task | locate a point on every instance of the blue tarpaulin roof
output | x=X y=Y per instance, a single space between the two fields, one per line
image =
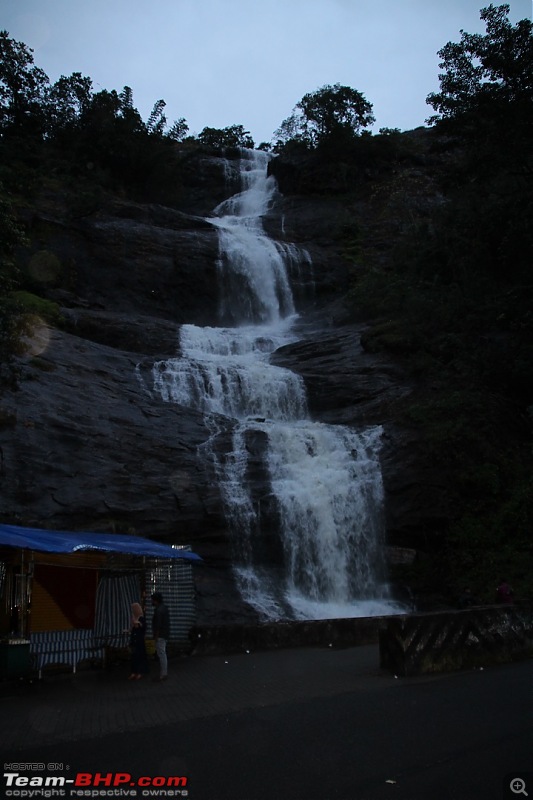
x=46 y=541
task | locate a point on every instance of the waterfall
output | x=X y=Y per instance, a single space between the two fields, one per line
x=310 y=546
x=254 y=282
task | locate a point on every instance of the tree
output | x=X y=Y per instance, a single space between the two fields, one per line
x=232 y=136
x=487 y=76
x=157 y=120
x=329 y=112
x=126 y=98
x=67 y=101
x=486 y=103
x=99 y=119
x=22 y=86
x=131 y=120
x=178 y=130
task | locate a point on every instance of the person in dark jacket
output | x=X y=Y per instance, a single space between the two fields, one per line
x=139 y=658
x=161 y=632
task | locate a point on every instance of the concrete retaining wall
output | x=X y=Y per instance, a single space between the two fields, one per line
x=439 y=642
x=410 y=644
x=308 y=633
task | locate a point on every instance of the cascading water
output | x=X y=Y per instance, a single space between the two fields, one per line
x=323 y=513
x=254 y=282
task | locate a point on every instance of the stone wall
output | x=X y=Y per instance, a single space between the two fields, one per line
x=409 y=645
x=440 y=642
x=210 y=640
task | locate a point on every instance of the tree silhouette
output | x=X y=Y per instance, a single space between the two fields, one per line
x=329 y=112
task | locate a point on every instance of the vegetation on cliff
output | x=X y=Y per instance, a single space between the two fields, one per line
x=464 y=273
x=441 y=244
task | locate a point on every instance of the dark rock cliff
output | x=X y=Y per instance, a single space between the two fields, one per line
x=84 y=442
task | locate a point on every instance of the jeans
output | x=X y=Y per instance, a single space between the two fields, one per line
x=161 y=650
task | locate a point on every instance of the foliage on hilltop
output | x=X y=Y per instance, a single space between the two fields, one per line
x=332 y=113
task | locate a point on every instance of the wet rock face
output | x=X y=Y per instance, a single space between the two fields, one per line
x=85 y=442
x=89 y=443
x=138 y=259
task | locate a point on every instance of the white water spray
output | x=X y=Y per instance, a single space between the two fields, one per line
x=316 y=551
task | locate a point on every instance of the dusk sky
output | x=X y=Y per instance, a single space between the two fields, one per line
x=248 y=62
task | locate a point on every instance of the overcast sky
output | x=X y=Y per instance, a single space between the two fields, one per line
x=248 y=62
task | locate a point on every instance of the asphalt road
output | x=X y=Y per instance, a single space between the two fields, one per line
x=289 y=725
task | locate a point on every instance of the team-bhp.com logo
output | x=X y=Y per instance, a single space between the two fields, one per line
x=94 y=784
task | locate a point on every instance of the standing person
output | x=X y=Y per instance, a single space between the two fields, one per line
x=161 y=632
x=467 y=599
x=139 y=658
x=504 y=593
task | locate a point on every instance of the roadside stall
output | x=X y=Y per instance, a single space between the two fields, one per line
x=65 y=597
